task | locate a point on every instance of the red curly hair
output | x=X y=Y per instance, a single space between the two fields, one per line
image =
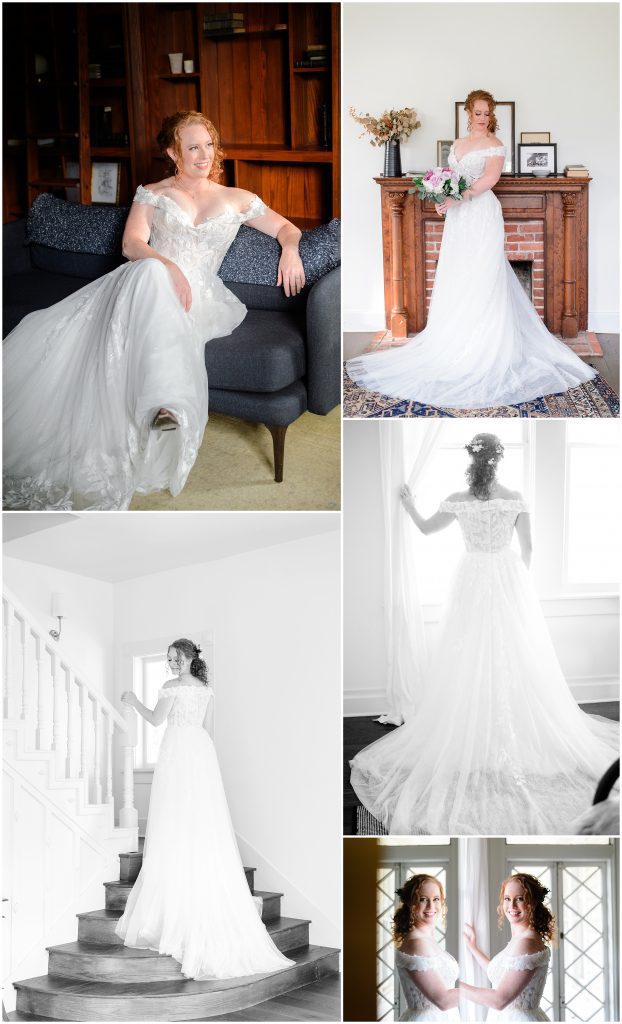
x=406 y=914
x=540 y=917
x=486 y=97
x=169 y=138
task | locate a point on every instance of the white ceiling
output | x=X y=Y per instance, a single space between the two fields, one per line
x=118 y=546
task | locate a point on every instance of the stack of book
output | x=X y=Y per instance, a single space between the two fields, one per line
x=225 y=24
x=576 y=171
x=315 y=56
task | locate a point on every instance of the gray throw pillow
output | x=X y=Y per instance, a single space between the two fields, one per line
x=254 y=257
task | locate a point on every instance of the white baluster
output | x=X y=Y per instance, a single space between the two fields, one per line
x=46 y=698
x=59 y=706
x=38 y=687
x=84 y=732
x=109 y=728
x=128 y=815
x=73 y=728
x=23 y=699
x=12 y=684
x=97 y=770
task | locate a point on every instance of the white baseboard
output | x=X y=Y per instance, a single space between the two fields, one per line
x=604 y=323
x=584 y=689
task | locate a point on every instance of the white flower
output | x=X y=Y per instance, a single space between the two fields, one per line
x=476 y=447
x=491 y=462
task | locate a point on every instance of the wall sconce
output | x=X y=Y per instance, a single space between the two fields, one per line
x=58 y=612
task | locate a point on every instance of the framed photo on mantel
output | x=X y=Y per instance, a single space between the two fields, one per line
x=504 y=112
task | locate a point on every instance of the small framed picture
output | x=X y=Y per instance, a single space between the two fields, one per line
x=105 y=180
x=442 y=151
x=531 y=137
x=539 y=159
x=504 y=112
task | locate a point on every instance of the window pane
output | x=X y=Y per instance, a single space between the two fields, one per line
x=583 y=942
x=592 y=543
x=386 y=884
x=592 y=431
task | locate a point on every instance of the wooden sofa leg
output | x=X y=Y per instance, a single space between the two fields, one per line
x=278 y=441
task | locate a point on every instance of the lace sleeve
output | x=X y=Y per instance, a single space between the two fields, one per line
x=254 y=209
x=496 y=151
x=417 y=963
x=145 y=196
x=448 y=506
x=526 y=962
x=164 y=693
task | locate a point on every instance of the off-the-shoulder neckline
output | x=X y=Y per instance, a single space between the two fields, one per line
x=481 y=150
x=208 y=220
x=520 y=956
x=185 y=686
x=421 y=956
x=478 y=503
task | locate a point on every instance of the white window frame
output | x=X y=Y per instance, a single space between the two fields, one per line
x=503 y=854
x=405 y=859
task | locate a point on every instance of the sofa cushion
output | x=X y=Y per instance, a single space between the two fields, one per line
x=261 y=296
x=87 y=265
x=254 y=257
x=25 y=293
x=265 y=353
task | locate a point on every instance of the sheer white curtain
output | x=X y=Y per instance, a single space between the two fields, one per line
x=403 y=618
x=474 y=908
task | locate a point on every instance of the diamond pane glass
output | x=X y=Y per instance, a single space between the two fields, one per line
x=583 y=928
x=544 y=874
x=386 y=884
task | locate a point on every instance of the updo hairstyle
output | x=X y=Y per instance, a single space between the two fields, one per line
x=485 y=450
x=198 y=668
x=405 y=916
x=481 y=94
x=169 y=138
x=540 y=917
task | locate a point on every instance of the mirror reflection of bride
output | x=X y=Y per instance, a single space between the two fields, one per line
x=497 y=744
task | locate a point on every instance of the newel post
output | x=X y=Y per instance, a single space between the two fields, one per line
x=128 y=815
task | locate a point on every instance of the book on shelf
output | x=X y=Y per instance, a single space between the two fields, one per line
x=576 y=171
x=221 y=16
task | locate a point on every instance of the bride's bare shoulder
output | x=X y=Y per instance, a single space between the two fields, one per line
x=505 y=492
x=495 y=142
x=159 y=187
x=458 y=496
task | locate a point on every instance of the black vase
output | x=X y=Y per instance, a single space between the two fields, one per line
x=392 y=159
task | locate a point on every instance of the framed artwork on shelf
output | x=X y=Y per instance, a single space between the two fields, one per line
x=442 y=151
x=531 y=137
x=105 y=181
x=537 y=159
x=505 y=114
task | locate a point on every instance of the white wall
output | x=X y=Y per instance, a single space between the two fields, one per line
x=558 y=62
x=275 y=616
x=88 y=629
x=584 y=628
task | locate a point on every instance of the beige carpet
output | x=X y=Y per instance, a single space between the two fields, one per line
x=234 y=469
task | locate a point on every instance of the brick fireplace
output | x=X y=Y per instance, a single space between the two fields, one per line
x=524 y=244
x=545 y=227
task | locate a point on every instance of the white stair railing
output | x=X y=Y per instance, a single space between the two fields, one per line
x=63 y=713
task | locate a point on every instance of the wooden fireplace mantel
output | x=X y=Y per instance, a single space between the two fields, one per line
x=560 y=203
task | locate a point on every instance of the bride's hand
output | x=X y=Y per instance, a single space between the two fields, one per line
x=470 y=936
x=128 y=697
x=181 y=286
x=406 y=496
x=291 y=271
x=442 y=208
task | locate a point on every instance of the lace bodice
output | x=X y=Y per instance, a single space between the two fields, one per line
x=188 y=703
x=472 y=165
x=529 y=998
x=486 y=525
x=199 y=247
x=444 y=965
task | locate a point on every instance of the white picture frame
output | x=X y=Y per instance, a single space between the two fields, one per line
x=105 y=180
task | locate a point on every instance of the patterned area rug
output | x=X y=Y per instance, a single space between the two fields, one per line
x=594 y=399
x=367 y=825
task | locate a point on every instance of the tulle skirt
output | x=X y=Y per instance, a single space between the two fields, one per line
x=84 y=379
x=191 y=899
x=433 y=1013
x=511 y=1013
x=498 y=745
x=484 y=344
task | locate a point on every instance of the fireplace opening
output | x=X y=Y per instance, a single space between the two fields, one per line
x=522 y=269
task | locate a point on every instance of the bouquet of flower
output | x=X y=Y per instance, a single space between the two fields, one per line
x=391 y=126
x=438 y=184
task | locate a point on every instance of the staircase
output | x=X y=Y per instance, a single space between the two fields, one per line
x=98 y=978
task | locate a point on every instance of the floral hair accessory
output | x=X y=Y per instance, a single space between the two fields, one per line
x=474 y=447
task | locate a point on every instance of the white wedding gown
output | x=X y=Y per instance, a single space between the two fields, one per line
x=84 y=379
x=484 y=344
x=191 y=899
x=419 y=1006
x=498 y=745
x=526 y=1006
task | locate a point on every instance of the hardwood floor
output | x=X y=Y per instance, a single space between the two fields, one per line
x=608 y=365
x=359 y=732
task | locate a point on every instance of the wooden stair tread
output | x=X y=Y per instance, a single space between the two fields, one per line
x=108 y=915
x=115 y=950
x=48 y=983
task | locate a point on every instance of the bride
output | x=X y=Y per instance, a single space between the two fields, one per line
x=191 y=899
x=427 y=973
x=105 y=393
x=518 y=973
x=484 y=344
x=498 y=745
